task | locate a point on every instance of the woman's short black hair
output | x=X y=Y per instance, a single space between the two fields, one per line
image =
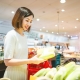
x=20 y=14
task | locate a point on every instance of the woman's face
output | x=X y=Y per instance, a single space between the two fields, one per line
x=27 y=22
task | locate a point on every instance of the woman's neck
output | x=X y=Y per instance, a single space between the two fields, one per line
x=20 y=31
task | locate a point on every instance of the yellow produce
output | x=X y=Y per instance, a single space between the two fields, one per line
x=42 y=72
x=46 y=53
x=75 y=75
x=47 y=56
x=51 y=73
x=64 y=71
x=70 y=67
x=59 y=74
x=45 y=72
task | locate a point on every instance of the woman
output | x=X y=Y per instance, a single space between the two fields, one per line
x=15 y=46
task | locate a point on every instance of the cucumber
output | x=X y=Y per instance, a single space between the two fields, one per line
x=70 y=67
x=75 y=75
x=40 y=72
x=51 y=73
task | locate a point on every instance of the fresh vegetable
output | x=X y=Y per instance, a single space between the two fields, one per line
x=51 y=73
x=42 y=72
x=59 y=74
x=70 y=67
x=46 y=71
x=75 y=75
x=46 y=53
x=64 y=71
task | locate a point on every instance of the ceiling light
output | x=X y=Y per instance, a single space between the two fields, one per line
x=40 y=29
x=77 y=19
x=52 y=32
x=57 y=33
x=75 y=27
x=62 y=1
x=38 y=19
x=62 y=10
x=62 y=21
x=43 y=27
x=63 y=27
x=12 y=12
x=56 y=25
x=68 y=35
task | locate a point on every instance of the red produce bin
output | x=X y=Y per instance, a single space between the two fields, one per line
x=33 y=68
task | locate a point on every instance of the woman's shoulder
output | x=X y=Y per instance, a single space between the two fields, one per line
x=10 y=34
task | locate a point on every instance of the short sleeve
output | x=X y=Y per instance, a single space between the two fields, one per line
x=9 y=46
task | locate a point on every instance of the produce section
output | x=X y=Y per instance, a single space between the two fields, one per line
x=69 y=71
x=60 y=71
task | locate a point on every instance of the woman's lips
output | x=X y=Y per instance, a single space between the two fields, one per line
x=26 y=27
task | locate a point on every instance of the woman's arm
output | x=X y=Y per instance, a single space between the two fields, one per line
x=17 y=62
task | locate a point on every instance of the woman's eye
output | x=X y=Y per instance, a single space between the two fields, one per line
x=27 y=21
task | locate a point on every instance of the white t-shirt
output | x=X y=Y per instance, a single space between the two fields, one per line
x=15 y=46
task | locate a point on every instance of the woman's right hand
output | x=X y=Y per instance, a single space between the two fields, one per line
x=36 y=60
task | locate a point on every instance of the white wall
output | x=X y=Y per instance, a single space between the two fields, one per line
x=52 y=37
x=75 y=43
